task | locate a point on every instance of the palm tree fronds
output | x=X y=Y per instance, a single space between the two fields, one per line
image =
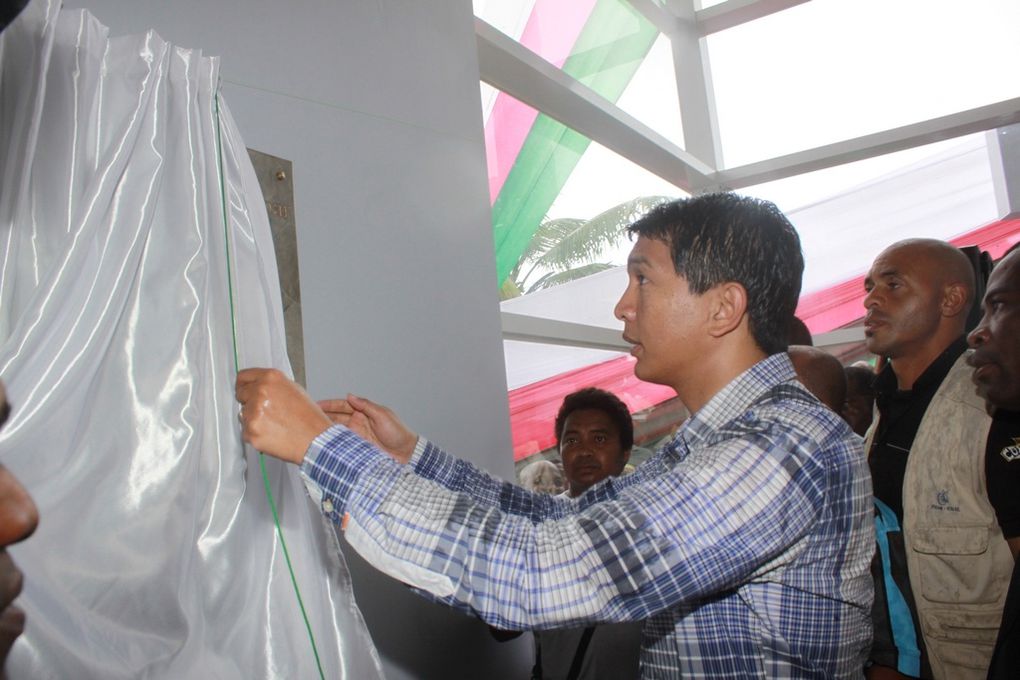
x=556 y=278
x=563 y=246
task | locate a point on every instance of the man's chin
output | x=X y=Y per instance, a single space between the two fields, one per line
x=647 y=373
x=1004 y=399
x=873 y=345
x=588 y=476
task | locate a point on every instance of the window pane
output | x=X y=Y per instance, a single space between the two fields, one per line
x=540 y=169
x=605 y=44
x=829 y=70
x=651 y=96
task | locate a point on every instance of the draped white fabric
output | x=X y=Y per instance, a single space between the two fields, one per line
x=156 y=555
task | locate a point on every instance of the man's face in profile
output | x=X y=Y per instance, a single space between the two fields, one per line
x=902 y=302
x=18 y=519
x=662 y=318
x=996 y=340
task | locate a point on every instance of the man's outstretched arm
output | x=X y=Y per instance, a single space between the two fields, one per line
x=279 y=418
x=699 y=530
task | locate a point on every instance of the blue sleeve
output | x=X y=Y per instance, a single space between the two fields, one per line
x=714 y=520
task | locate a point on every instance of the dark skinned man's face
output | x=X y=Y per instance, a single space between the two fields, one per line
x=18 y=519
x=996 y=340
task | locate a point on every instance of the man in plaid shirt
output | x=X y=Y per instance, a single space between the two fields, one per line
x=745 y=542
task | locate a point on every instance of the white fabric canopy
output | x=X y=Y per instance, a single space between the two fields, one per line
x=156 y=555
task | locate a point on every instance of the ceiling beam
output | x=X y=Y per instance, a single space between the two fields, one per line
x=840 y=336
x=930 y=131
x=524 y=328
x=735 y=12
x=678 y=22
x=515 y=70
x=553 y=332
x=1004 y=154
x=691 y=67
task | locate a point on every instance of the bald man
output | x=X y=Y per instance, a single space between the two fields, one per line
x=821 y=373
x=947 y=521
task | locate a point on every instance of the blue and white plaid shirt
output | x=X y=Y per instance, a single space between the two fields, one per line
x=745 y=542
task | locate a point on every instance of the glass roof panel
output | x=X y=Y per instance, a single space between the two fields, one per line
x=605 y=44
x=830 y=70
x=872 y=66
x=651 y=96
x=541 y=170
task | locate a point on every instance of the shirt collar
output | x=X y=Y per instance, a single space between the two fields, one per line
x=932 y=376
x=733 y=400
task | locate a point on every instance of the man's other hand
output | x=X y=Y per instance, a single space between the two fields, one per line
x=374 y=423
x=277 y=416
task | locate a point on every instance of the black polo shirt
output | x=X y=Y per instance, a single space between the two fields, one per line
x=901 y=413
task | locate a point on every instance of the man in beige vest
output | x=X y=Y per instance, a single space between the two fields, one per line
x=947 y=521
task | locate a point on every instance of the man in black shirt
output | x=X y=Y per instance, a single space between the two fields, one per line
x=927 y=457
x=996 y=360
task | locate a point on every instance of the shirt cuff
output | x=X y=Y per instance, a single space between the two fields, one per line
x=332 y=465
x=419 y=449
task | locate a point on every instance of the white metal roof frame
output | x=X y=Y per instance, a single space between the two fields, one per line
x=512 y=68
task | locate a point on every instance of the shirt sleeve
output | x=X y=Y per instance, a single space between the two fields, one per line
x=431 y=462
x=460 y=476
x=721 y=516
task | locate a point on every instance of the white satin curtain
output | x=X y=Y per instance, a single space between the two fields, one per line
x=156 y=555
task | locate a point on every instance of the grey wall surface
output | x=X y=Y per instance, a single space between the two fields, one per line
x=377 y=105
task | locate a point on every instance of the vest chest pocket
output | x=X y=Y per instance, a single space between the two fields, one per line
x=951 y=565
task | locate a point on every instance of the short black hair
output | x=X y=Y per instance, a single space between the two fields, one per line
x=724 y=237
x=598 y=400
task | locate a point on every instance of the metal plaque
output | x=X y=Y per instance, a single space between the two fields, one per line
x=277 y=185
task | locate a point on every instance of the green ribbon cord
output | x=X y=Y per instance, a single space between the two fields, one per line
x=237 y=368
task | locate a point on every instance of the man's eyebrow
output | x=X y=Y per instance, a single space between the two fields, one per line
x=636 y=259
x=870 y=278
x=575 y=430
x=1001 y=290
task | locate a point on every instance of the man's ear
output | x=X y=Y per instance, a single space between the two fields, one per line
x=955 y=299
x=728 y=308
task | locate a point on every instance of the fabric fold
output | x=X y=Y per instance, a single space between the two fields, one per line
x=124 y=184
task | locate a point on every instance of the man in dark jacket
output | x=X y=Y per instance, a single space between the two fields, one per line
x=996 y=362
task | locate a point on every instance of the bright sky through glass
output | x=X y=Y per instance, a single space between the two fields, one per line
x=813 y=74
x=820 y=72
